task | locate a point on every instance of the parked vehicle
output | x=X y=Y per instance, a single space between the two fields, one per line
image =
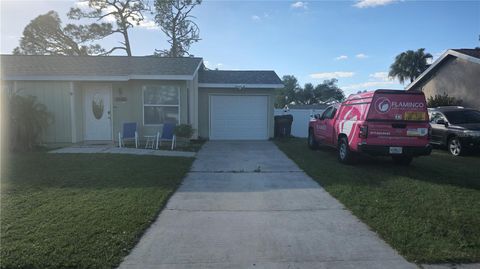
x=382 y=122
x=455 y=127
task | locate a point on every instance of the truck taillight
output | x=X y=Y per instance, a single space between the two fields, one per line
x=363 y=131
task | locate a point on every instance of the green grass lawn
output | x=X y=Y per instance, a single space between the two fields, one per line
x=80 y=211
x=428 y=211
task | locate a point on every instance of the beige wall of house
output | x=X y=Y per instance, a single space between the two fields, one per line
x=56 y=96
x=6 y=87
x=192 y=90
x=457 y=77
x=79 y=114
x=204 y=106
x=127 y=104
x=65 y=101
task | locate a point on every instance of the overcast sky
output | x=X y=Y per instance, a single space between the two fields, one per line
x=353 y=41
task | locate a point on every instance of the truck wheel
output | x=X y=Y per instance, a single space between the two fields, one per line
x=402 y=160
x=344 y=154
x=312 y=143
x=455 y=147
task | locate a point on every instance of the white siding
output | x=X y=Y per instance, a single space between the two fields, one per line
x=301 y=117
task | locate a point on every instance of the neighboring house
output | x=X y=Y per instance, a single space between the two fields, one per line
x=301 y=116
x=91 y=97
x=457 y=73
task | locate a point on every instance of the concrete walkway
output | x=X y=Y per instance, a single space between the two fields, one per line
x=116 y=150
x=246 y=205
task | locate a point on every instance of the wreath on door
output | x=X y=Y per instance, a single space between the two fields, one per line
x=97 y=106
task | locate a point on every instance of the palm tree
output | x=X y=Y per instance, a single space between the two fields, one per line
x=409 y=65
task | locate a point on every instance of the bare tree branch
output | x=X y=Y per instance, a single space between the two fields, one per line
x=124 y=12
x=175 y=21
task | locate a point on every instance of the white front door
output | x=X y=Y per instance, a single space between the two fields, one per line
x=98 y=124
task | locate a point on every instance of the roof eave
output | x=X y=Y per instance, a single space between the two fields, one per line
x=99 y=78
x=198 y=67
x=240 y=86
x=449 y=52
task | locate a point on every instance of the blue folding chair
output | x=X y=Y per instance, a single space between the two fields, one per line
x=129 y=133
x=168 y=134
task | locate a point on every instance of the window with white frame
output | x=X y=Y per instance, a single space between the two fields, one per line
x=161 y=104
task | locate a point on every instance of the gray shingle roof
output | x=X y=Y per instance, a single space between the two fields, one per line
x=470 y=52
x=96 y=66
x=238 y=77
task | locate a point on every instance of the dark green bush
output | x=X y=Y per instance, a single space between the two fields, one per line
x=443 y=100
x=27 y=120
x=184 y=131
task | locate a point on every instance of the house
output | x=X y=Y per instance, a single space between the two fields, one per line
x=91 y=97
x=457 y=73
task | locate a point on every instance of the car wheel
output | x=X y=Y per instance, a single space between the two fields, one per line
x=344 y=154
x=455 y=147
x=312 y=143
x=402 y=160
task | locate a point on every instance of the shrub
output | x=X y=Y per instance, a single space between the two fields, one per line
x=443 y=100
x=184 y=131
x=27 y=120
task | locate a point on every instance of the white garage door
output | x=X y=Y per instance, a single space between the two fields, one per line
x=238 y=117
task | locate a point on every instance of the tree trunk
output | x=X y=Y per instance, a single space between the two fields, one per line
x=127 y=43
x=174 y=49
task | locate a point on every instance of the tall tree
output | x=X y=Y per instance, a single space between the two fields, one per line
x=287 y=94
x=306 y=95
x=173 y=17
x=126 y=14
x=45 y=35
x=328 y=91
x=409 y=65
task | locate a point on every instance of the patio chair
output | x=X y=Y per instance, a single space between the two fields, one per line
x=167 y=135
x=128 y=133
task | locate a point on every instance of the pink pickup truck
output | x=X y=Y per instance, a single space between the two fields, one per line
x=382 y=122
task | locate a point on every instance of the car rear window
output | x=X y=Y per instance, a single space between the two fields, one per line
x=463 y=116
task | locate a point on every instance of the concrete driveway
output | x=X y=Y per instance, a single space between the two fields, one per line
x=246 y=205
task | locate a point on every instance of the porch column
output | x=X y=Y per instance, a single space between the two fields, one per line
x=192 y=88
x=73 y=118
